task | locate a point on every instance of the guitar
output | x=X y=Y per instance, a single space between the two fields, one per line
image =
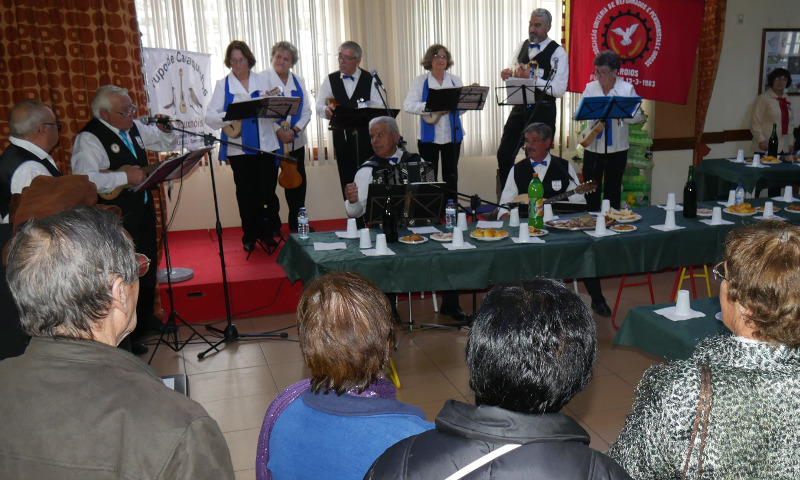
x=148 y=169
x=586 y=187
x=183 y=101
x=588 y=134
x=289 y=177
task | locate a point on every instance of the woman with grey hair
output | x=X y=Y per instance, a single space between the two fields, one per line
x=291 y=129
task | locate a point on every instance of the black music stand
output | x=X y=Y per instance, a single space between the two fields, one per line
x=172 y=169
x=376 y=202
x=355 y=119
x=455 y=99
x=607 y=108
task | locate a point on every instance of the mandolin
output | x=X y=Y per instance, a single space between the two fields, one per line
x=431 y=118
x=234 y=129
x=148 y=169
x=586 y=187
x=588 y=134
x=289 y=177
x=183 y=101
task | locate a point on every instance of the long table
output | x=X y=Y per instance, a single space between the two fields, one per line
x=715 y=177
x=653 y=333
x=565 y=254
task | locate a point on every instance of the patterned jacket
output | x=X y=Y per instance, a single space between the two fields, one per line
x=754 y=426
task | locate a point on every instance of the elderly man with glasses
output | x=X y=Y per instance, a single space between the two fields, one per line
x=34 y=134
x=112 y=149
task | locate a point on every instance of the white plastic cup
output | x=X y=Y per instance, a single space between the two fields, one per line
x=716 y=216
x=606 y=206
x=524 y=233
x=380 y=244
x=756 y=159
x=513 y=217
x=731 y=198
x=769 y=210
x=600 y=225
x=740 y=155
x=669 y=221
x=458 y=237
x=365 y=241
x=548 y=212
x=352 y=229
x=787 y=194
x=462 y=220
x=682 y=304
x=670 y=201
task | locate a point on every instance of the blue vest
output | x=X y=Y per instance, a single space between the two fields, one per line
x=428 y=132
x=295 y=118
x=249 y=136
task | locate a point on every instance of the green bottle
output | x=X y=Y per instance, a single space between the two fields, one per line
x=536 y=202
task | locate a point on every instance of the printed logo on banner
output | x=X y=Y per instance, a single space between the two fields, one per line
x=631 y=35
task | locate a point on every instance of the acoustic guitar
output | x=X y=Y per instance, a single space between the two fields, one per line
x=588 y=134
x=289 y=177
x=586 y=187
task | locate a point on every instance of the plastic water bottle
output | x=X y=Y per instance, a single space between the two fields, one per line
x=739 y=195
x=302 y=223
x=450 y=214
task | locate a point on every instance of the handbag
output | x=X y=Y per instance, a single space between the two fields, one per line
x=701 y=420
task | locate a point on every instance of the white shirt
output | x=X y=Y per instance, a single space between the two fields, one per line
x=510 y=190
x=89 y=155
x=443 y=132
x=27 y=171
x=362 y=180
x=559 y=84
x=619 y=128
x=292 y=83
x=325 y=92
x=216 y=110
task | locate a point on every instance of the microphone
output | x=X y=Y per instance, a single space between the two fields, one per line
x=377 y=78
x=152 y=120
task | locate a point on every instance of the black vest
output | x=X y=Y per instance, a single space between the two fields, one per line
x=118 y=156
x=12 y=158
x=543 y=59
x=362 y=91
x=557 y=169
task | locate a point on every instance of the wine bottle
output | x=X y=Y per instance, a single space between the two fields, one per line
x=690 y=196
x=389 y=222
x=772 y=143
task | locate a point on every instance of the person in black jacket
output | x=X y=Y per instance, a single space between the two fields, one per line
x=531 y=349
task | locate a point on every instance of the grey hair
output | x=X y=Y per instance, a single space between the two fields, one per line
x=289 y=47
x=609 y=59
x=25 y=117
x=542 y=129
x=391 y=123
x=102 y=98
x=543 y=13
x=61 y=269
x=351 y=45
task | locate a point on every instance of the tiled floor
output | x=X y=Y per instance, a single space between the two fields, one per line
x=237 y=384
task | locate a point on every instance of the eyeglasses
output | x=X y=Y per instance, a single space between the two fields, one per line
x=237 y=61
x=601 y=73
x=440 y=57
x=719 y=272
x=537 y=140
x=143 y=262
x=128 y=111
x=345 y=57
x=57 y=124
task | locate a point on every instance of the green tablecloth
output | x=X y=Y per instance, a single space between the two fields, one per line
x=565 y=254
x=717 y=176
x=653 y=333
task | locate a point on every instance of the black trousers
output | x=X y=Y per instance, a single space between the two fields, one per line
x=513 y=139
x=296 y=197
x=351 y=151
x=449 y=154
x=606 y=169
x=139 y=219
x=256 y=177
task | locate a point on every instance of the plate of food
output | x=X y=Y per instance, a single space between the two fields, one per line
x=442 y=237
x=413 y=239
x=488 y=234
x=793 y=209
x=622 y=227
x=770 y=160
x=704 y=212
x=537 y=232
x=743 y=210
x=761 y=209
x=584 y=222
x=623 y=216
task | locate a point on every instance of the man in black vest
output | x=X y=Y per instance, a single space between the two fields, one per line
x=112 y=149
x=551 y=59
x=352 y=87
x=382 y=168
x=34 y=134
x=557 y=176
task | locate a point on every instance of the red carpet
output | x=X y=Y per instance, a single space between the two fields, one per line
x=256 y=287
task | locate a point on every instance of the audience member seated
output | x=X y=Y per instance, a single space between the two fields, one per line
x=74 y=405
x=531 y=349
x=335 y=424
x=751 y=378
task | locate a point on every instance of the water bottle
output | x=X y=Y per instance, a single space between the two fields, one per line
x=450 y=214
x=739 y=195
x=302 y=223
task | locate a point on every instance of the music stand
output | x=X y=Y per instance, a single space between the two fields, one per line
x=376 y=201
x=355 y=119
x=263 y=107
x=520 y=91
x=172 y=169
x=455 y=99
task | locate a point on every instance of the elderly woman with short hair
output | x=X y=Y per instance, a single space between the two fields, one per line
x=753 y=429
x=335 y=424
x=774 y=107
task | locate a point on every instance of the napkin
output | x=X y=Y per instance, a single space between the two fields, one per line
x=466 y=246
x=726 y=204
x=607 y=233
x=345 y=235
x=760 y=165
x=373 y=252
x=678 y=208
x=773 y=217
x=664 y=228
x=669 y=312
x=707 y=221
x=320 y=246
x=733 y=160
x=783 y=199
x=487 y=224
x=422 y=230
x=530 y=240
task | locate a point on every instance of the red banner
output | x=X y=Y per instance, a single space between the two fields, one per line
x=655 y=39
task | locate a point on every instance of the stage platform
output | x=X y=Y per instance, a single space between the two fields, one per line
x=256 y=287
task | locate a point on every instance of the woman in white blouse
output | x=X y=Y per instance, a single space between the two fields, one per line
x=773 y=107
x=439 y=134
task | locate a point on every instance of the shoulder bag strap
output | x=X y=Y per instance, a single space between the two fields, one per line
x=483 y=461
x=702 y=417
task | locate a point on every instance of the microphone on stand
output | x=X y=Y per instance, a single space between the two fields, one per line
x=156 y=120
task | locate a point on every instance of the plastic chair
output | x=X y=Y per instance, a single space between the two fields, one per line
x=622 y=285
x=682 y=276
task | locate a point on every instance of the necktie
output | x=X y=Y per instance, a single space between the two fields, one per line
x=349 y=77
x=784 y=104
x=127 y=143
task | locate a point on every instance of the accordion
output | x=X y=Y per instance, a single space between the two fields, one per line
x=404 y=173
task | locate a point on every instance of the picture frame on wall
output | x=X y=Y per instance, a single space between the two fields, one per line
x=780 y=48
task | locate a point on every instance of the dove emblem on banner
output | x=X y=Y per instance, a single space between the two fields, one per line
x=626 y=34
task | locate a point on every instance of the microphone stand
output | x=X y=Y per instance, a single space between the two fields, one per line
x=230 y=333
